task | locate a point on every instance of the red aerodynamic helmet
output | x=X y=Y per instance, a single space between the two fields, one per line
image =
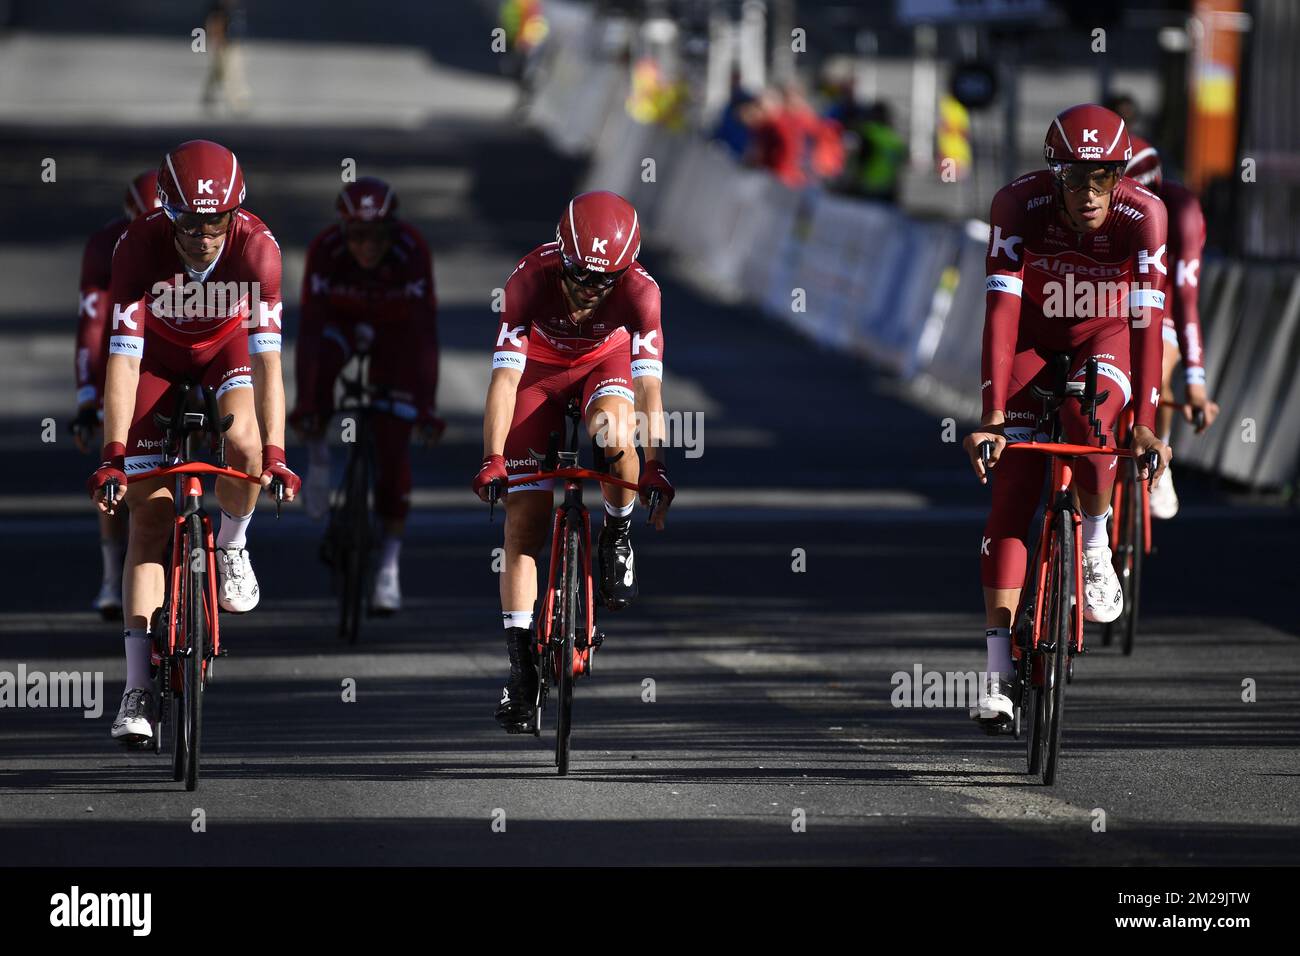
x=1087 y=134
x=142 y=194
x=1145 y=164
x=599 y=232
x=367 y=200
x=200 y=176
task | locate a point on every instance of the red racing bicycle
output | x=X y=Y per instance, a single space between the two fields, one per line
x=567 y=638
x=185 y=629
x=1047 y=627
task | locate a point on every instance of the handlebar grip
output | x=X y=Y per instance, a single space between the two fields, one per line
x=986 y=452
x=112 y=491
x=1198 y=418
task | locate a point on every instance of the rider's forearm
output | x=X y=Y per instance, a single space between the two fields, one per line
x=650 y=406
x=499 y=410
x=268 y=392
x=121 y=377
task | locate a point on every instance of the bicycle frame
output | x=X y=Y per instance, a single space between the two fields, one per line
x=572 y=507
x=188 y=496
x=1060 y=500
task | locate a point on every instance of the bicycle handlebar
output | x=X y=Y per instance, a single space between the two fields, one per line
x=112 y=488
x=1151 y=459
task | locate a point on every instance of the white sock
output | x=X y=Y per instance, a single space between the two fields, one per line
x=233 y=531
x=389 y=553
x=136 y=640
x=111 y=552
x=998 y=640
x=517 y=619
x=622 y=512
x=1094 y=531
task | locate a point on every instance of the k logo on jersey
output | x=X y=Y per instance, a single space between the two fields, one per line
x=512 y=334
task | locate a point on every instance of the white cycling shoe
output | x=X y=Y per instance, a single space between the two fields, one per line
x=316 y=491
x=386 y=598
x=237 y=590
x=134 y=721
x=1103 y=598
x=995 y=706
x=1164 y=501
x=109 y=600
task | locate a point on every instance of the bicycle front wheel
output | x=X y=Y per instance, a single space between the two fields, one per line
x=1131 y=572
x=571 y=616
x=353 y=546
x=194 y=620
x=1062 y=607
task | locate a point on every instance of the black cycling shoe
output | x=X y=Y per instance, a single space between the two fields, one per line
x=617 y=569
x=517 y=709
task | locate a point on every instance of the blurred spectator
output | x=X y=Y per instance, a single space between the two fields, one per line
x=733 y=129
x=792 y=141
x=225 y=85
x=526 y=30
x=877 y=165
x=654 y=98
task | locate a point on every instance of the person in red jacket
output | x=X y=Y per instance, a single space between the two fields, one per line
x=195 y=296
x=1081 y=228
x=1182 y=327
x=368 y=285
x=581 y=321
x=91 y=351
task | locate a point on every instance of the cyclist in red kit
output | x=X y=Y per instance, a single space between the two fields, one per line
x=368 y=284
x=580 y=320
x=195 y=296
x=91 y=352
x=1182 y=326
x=1076 y=264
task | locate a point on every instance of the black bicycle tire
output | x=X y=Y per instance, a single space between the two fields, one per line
x=571 y=608
x=1063 y=635
x=352 y=547
x=1133 y=580
x=174 y=671
x=196 y=649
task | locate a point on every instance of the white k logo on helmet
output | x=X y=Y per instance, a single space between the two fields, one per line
x=1090 y=135
x=205 y=186
x=598 y=245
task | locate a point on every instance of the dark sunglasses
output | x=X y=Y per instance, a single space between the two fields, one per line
x=590 y=279
x=1077 y=176
x=368 y=231
x=200 y=225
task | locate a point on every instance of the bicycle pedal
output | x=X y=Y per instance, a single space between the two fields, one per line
x=598 y=639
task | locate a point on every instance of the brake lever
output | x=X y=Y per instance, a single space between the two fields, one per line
x=494 y=495
x=652 y=500
x=112 y=488
x=1198 y=419
x=278 y=485
x=1152 y=461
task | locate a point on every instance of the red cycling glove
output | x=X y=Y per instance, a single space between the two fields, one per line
x=654 y=477
x=112 y=468
x=273 y=466
x=492 y=469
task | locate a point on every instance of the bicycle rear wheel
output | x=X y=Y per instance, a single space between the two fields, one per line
x=1061 y=607
x=571 y=614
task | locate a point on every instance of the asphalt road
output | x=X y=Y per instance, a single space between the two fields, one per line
x=771 y=738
